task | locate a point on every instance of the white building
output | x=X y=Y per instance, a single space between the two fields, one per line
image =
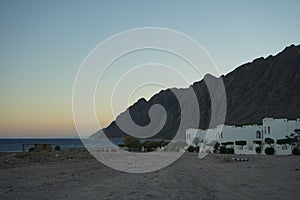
x=247 y=133
x=275 y=129
x=279 y=128
x=192 y=133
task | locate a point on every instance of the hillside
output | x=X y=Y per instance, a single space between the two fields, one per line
x=266 y=87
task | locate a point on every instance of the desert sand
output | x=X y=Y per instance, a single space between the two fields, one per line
x=77 y=175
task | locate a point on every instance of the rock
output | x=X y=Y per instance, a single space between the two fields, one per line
x=240 y=159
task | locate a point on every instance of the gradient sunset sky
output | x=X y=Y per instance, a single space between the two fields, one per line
x=43 y=44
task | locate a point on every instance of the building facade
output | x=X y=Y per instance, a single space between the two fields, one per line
x=252 y=136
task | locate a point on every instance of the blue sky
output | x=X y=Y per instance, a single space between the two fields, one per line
x=44 y=42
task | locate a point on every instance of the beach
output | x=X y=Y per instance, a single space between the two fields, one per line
x=77 y=175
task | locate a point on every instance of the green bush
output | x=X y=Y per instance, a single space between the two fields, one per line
x=296 y=151
x=31 y=149
x=229 y=151
x=216 y=147
x=258 y=149
x=257 y=142
x=290 y=140
x=281 y=141
x=241 y=143
x=269 y=140
x=23 y=155
x=57 y=148
x=132 y=143
x=150 y=145
x=162 y=143
x=269 y=150
x=227 y=143
x=120 y=145
x=222 y=149
x=191 y=149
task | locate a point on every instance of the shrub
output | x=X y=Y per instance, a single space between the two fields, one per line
x=241 y=143
x=269 y=140
x=31 y=149
x=222 y=149
x=229 y=151
x=257 y=142
x=197 y=149
x=227 y=143
x=150 y=145
x=23 y=155
x=290 y=140
x=296 y=151
x=120 y=145
x=160 y=143
x=269 y=150
x=258 y=149
x=216 y=147
x=57 y=148
x=191 y=149
x=294 y=138
x=132 y=143
x=281 y=141
x=163 y=143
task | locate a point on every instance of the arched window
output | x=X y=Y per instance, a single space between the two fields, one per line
x=258 y=134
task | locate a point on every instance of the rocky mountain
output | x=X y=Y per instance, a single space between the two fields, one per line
x=265 y=87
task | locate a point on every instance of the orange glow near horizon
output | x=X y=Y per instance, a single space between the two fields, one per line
x=36 y=121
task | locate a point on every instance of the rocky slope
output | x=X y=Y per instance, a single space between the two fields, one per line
x=266 y=87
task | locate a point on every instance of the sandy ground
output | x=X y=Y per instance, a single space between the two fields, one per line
x=77 y=175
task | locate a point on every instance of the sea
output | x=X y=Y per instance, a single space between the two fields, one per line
x=15 y=144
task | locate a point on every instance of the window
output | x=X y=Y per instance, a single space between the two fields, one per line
x=284 y=147
x=258 y=134
x=269 y=130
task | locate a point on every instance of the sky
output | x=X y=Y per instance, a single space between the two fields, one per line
x=43 y=44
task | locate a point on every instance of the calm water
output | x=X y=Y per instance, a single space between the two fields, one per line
x=15 y=145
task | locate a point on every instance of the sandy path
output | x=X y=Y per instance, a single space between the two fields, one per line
x=214 y=177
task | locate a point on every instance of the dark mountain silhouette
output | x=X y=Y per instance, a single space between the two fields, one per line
x=266 y=87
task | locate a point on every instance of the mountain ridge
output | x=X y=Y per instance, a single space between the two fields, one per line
x=265 y=87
